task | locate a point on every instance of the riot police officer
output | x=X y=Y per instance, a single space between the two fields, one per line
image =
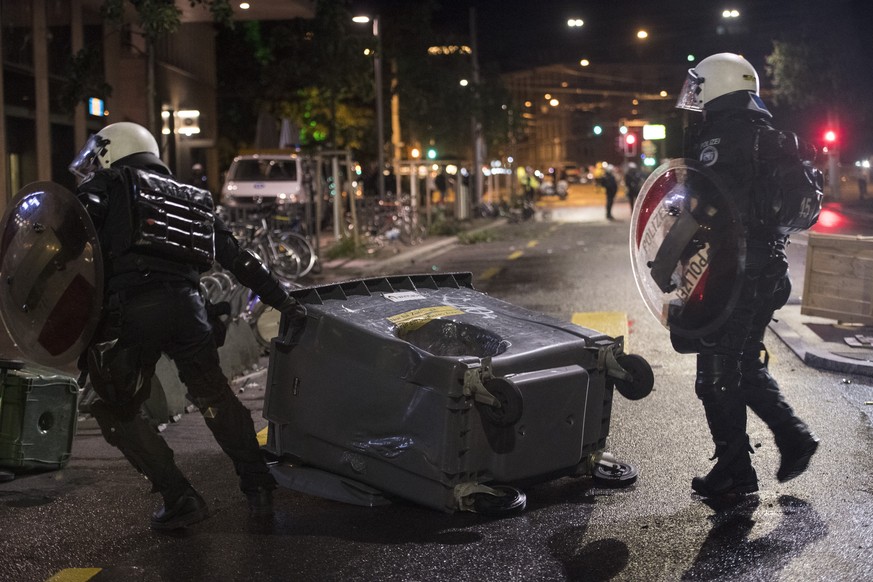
x=736 y=140
x=156 y=236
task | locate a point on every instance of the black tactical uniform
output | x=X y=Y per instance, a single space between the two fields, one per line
x=153 y=306
x=737 y=141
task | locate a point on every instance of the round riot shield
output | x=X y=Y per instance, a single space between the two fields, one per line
x=687 y=248
x=51 y=274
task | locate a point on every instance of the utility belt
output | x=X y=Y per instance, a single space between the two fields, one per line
x=130 y=293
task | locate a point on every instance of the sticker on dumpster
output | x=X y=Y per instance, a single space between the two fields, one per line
x=416 y=318
x=403 y=296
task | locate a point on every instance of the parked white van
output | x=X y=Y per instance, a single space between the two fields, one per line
x=263 y=180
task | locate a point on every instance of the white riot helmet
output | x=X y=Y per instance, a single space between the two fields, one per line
x=715 y=76
x=110 y=144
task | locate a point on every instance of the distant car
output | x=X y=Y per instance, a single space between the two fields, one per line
x=568 y=171
x=263 y=180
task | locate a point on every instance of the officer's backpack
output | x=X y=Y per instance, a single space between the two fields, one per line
x=171 y=219
x=789 y=189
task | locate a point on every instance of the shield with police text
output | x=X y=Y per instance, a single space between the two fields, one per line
x=51 y=274
x=687 y=248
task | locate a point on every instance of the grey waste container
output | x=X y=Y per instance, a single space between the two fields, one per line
x=423 y=388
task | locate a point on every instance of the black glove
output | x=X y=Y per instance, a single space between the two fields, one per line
x=292 y=309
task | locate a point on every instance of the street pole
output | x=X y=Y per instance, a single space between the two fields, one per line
x=380 y=122
x=478 y=141
x=834 y=157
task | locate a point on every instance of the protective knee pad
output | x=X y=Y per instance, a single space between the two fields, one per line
x=781 y=293
x=218 y=401
x=108 y=419
x=717 y=375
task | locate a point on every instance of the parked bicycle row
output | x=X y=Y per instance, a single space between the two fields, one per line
x=284 y=240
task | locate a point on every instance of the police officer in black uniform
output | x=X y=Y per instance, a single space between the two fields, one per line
x=736 y=140
x=157 y=235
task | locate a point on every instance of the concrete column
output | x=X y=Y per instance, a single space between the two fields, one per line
x=77 y=36
x=41 y=86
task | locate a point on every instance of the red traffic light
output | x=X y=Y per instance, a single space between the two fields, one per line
x=630 y=139
x=830 y=136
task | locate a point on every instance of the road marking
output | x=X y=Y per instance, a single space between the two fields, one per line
x=515 y=255
x=531 y=244
x=74 y=575
x=612 y=323
x=489 y=272
x=262 y=436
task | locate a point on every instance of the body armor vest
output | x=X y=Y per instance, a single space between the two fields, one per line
x=169 y=219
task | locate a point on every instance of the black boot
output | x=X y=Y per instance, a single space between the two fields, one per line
x=144 y=448
x=257 y=483
x=260 y=501
x=796 y=443
x=187 y=509
x=717 y=386
x=733 y=474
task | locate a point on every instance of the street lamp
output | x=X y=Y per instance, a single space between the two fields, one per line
x=377 y=69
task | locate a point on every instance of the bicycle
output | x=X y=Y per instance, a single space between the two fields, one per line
x=273 y=247
x=292 y=236
x=386 y=222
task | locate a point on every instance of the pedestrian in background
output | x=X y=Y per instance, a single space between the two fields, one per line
x=633 y=181
x=610 y=186
x=736 y=140
x=442 y=185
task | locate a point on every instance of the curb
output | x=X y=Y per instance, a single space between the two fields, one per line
x=817 y=358
x=412 y=253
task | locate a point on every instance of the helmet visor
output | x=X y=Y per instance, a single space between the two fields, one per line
x=87 y=161
x=689 y=97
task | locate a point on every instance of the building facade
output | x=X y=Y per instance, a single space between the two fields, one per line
x=170 y=89
x=574 y=113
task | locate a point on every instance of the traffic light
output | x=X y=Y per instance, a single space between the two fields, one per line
x=597 y=130
x=630 y=144
x=830 y=137
x=431 y=153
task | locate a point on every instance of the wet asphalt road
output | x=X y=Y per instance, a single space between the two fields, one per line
x=91 y=518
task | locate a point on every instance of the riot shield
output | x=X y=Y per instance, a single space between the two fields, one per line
x=51 y=274
x=687 y=248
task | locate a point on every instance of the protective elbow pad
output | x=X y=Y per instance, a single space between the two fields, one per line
x=252 y=273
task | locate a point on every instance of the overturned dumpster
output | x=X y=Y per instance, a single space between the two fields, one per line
x=419 y=387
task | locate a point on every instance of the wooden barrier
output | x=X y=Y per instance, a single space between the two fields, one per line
x=839 y=278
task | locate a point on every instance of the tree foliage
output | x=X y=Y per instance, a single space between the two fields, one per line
x=84 y=79
x=819 y=68
x=312 y=72
x=160 y=17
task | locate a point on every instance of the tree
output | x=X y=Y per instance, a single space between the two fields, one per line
x=312 y=72
x=819 y=69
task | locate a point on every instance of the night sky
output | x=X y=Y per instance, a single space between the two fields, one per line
x=522 y=33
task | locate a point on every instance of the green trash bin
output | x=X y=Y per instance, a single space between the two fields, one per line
x=38 y=417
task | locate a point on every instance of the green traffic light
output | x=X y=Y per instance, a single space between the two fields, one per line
x=431 y=154
x=597 y=130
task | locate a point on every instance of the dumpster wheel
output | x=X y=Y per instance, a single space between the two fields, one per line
x=642 y=378
x=614 y=475
x=510 y=399
x=504 y=501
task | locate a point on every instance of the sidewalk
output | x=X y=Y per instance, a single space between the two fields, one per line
x=393 y=256
x=822 y=343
